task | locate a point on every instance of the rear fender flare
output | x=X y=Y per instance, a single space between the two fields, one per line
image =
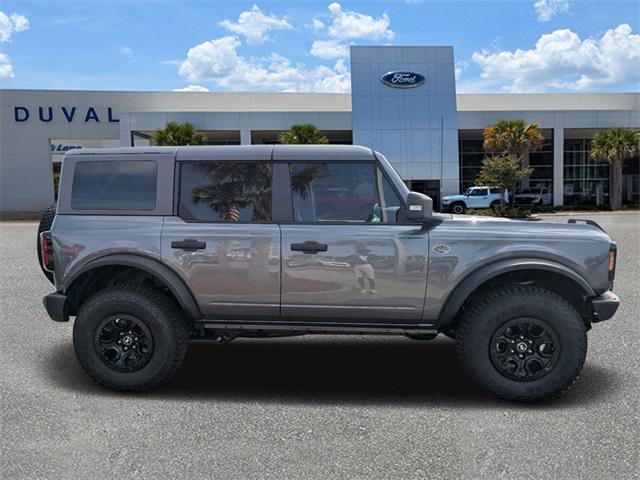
x=151 y=266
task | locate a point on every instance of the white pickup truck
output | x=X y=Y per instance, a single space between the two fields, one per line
x=473 y=197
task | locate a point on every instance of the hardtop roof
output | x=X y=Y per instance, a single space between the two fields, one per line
x=237 y=152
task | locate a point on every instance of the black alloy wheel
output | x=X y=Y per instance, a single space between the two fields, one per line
x=124 y=343
x=524 y=349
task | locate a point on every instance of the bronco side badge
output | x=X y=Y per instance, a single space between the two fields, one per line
x=441 y=248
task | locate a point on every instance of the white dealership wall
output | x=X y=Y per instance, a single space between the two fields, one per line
x=404 y=125
x=25 y=153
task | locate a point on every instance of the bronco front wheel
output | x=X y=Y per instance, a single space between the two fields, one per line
x=130 y=338
x=522 y=343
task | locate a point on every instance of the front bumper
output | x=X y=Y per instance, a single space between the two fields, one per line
x=604 y=306
x=54 y=303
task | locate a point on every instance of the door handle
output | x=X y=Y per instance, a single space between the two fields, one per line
x=309 y=247
x=189 y=244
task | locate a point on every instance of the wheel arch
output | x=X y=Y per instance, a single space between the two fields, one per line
x=148 y=267
x=546 y=273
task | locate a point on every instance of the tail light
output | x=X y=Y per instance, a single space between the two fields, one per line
x=613 y=253
x=46 y=247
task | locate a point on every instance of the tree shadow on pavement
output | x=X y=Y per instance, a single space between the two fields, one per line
x=334 y=370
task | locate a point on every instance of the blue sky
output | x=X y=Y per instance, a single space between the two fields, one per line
x=506 y=46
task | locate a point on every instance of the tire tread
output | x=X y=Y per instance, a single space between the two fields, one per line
x=473 y=314
x=167 y=308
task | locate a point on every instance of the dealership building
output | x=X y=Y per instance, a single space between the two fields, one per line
x=403 y=103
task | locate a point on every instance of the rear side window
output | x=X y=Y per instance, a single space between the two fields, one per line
x=114 y=185
x=225 y=191
x=495 y=191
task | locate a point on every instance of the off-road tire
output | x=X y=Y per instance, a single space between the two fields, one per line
x=162 y=317
x=45 y=225
x=485 y=316
x=494 y=205
x=458 y=208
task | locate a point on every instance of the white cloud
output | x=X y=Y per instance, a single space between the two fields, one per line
x=561 y=60
x=547 y=9
x=316 y=25
x=213 y=58
x=192 y=88
x=254 y=25
x=345 y=26
x=126 y=51
x=6 y=70
x=329 y=49
x=352 y=25
x=10 y=24
x=217 y=61
x=460 y=67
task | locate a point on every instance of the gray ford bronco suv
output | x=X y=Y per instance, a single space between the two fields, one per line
x=151 y=247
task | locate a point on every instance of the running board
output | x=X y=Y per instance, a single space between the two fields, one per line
x=318 y=328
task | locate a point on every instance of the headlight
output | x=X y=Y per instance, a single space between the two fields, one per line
x=445 y=200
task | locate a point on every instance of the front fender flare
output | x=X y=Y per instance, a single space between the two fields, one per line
x=471 y=282
x=151 y=266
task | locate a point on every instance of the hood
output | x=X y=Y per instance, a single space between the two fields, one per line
x=454 y=197
x=535 y=228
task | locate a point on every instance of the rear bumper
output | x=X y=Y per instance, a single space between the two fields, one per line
x=54 y=303
x=604 y=306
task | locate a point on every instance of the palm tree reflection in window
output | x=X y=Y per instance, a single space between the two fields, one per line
x=235 y=190
x=302 y=176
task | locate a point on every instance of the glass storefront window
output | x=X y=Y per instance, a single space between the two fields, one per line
x=586 y=180
x=472 y=154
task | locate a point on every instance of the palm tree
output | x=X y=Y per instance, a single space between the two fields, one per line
x=511 y=140
x=178 y=133
x=615 y=145
x=513 y=137
x=304 y=133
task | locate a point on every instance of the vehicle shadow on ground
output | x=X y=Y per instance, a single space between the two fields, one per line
x=332 y=370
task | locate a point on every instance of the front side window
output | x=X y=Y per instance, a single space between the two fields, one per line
x=342 y=192
x=114 y=185
x=225 y=191
x=393 y=208
x=477 y=192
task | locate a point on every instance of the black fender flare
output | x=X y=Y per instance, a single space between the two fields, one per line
x=151 y=266
x=471 y=282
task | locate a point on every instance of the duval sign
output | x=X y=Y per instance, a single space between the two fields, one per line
x=47 y=114
x=402 y=79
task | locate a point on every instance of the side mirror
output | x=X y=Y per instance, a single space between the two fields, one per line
x=420 y=207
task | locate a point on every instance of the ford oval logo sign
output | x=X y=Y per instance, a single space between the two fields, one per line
x=403 y=79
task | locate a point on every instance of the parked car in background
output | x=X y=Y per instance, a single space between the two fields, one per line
x=533 y=196
x=473 y=197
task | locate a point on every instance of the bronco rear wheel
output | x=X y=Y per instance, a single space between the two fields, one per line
x=522 y=343
x=130 y=338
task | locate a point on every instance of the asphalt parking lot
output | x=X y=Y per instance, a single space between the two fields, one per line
x=321 y=407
